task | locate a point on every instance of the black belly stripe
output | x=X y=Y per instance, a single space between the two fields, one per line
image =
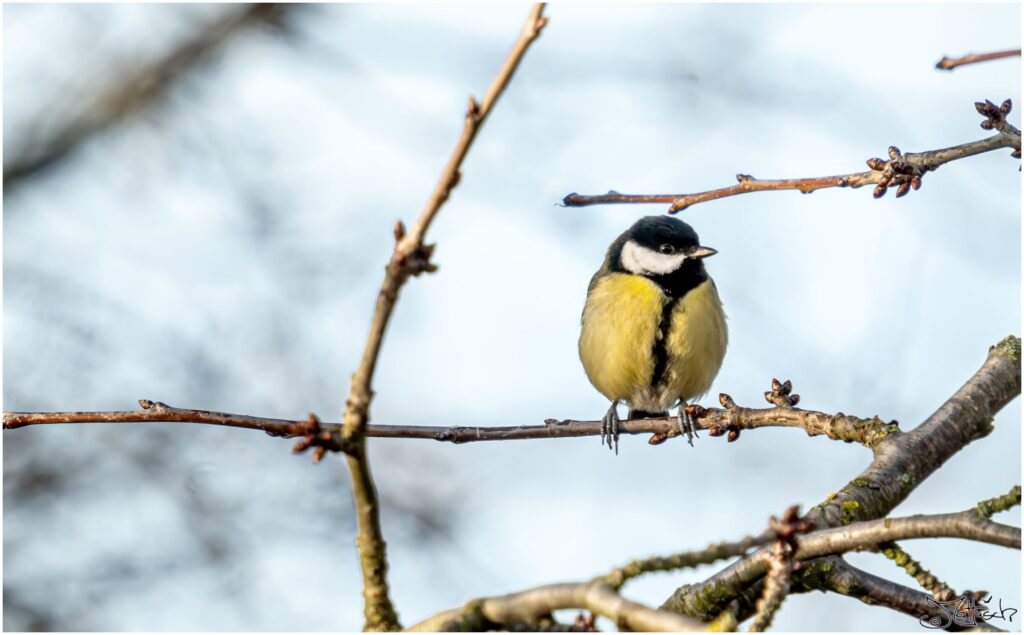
x=661 y=342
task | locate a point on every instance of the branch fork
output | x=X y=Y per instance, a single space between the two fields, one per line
x=322 y=441
x=413 y=258
x=995 y=119
x=780 y=560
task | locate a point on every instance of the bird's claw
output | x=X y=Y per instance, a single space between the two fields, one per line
x=686 y=422
x=610 y=429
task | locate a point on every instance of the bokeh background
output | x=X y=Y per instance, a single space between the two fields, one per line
x=198 y=205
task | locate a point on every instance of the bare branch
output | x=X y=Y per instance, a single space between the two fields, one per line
x=137 y=90
x=776 y=587
x=410 y=257
x=901 y=170
x=902 y=461
x=836 y=575
x=779 y=559
x=949 y=63
x=719 y=421
x=527 y=607
x=968 y=524
x=929 y=581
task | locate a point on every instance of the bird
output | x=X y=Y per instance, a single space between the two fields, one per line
x=653 y=331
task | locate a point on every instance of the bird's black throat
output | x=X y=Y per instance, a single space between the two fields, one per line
x=675 y=285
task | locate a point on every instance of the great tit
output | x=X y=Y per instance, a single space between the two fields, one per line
x=653 y=329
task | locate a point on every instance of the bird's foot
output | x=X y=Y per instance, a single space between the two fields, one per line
x=686 y=420
x=610 y=428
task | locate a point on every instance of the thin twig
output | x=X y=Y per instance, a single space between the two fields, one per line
x=949 y=63
x=901 y=170
x=411 y=257
x=928 y=580
x=686 y=559
x=779 y=559
x=776 y=587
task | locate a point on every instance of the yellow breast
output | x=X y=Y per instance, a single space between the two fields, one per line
x=621 y=324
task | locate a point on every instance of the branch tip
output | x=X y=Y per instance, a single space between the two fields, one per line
x=949 y=63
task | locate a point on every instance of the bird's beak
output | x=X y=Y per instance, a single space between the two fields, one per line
x=701 y=252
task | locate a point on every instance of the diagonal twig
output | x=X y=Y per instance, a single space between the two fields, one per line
x=903 y=171
x=411 y=257
x=928 y=580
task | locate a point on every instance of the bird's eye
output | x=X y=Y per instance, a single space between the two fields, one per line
x=667 y=249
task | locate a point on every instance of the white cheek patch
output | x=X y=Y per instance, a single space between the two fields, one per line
x=641 y=260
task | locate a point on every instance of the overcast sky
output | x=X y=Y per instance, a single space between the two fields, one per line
x=222 y=249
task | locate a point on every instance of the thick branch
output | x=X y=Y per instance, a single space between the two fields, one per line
x=949 y=63
x=903 y=171
x=136 y=90
x=836 y=575
x=411 y=257
x=902 y=460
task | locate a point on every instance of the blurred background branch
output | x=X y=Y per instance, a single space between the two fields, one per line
x=137 y=89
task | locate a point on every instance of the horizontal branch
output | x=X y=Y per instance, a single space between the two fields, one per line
x=949 y=63
x=731 y=419
x=903 y=171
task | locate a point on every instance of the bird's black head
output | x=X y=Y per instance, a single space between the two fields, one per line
x=664 y=249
